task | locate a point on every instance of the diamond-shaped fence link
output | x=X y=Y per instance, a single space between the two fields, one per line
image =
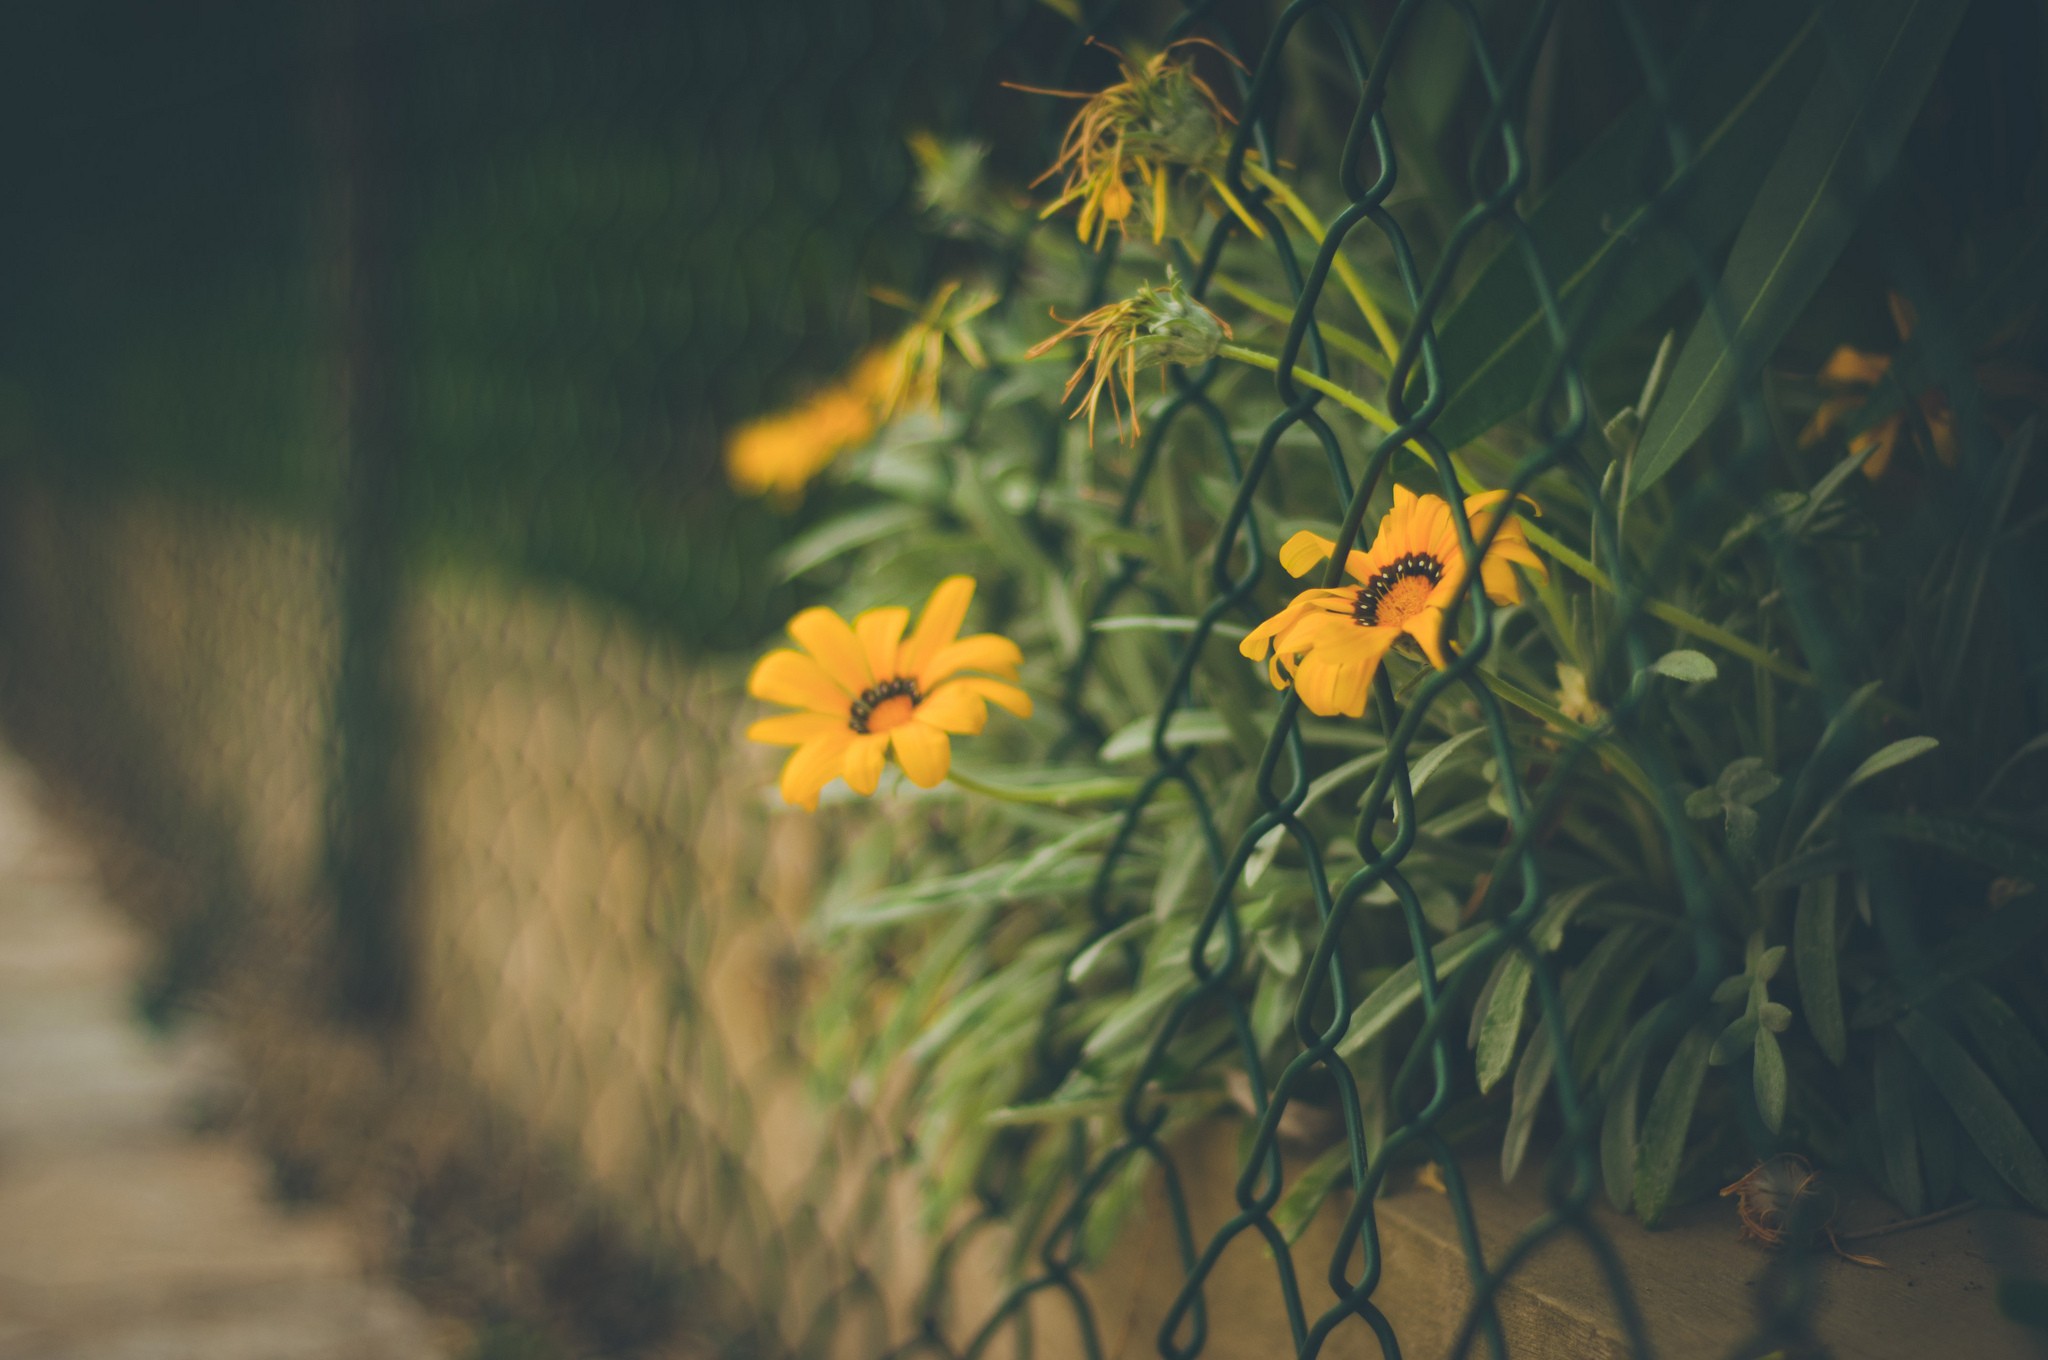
x=376 y=593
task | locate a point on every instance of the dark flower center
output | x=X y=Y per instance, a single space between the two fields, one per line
x=875 y=696
x=1391 y=581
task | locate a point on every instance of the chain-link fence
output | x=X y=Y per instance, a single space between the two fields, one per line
x=368 y=554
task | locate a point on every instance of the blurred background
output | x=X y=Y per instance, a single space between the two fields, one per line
x=369 y=570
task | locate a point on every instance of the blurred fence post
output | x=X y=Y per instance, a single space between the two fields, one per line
x=368 y=826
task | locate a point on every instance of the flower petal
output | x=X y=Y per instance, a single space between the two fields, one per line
x=1882 y=437
x=1300 y=554
x=787 y=677
x=863 y=768
x=812 y=766
x=1427 y=628
x=982 y=652
x=880 y=631
x=825 y=636
x=954 y=707
x=996 y=692
x=1852 y=367
x=938 y=625
x=923 y=751
x=794 y=729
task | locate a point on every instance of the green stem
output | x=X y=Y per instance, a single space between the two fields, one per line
x=1335 y=337
x=1346 y=275
x=1609 y=749
x=1570 y=560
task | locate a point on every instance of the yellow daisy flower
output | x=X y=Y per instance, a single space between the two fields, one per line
x=779 y=454
x=1329 y=641
x=863 y=690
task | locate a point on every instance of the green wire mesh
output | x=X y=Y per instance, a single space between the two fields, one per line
x=563 y=227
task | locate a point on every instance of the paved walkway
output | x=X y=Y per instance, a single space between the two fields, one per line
x=123 y=1236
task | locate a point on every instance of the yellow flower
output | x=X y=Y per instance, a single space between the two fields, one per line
x=863 y=690
x=1330 y=641
x=1159 y=117
x=781 y=453
x=1852 y=375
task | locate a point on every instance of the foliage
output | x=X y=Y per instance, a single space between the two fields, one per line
x=1721 y=844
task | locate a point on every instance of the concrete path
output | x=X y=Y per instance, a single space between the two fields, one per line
x=123 y=1236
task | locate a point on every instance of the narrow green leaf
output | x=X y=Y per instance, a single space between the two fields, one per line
x=1433 y=759
x=1994 y=941
x=1164 y=623
x=844 y=534
x=1594 y=979
x=1889 y=757
x=1893 y=1082
x=1501 y=1028
x=1767 y=1071
x=1618 y=1120
x=1985 y=1115
x=1978 y=844
x=1820 y=985
x=1618 y=1137
x=1403 y=988
x=2010 y=1049
x=1897 y=753
x=1664 y=1128
x=1312 y=1185
x=1187 y=727
x=1853 y=121
x=1738 y=81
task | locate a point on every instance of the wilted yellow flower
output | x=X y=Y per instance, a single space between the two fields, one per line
x=1329 y=642
x=864 y=690
x=1127 y=138
x=909 y=379
x=1155 y=326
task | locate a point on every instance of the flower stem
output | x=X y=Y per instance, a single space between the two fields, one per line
x=1609 y=749
x=1570 y=560
x=1346 y=275
x=1333 y=336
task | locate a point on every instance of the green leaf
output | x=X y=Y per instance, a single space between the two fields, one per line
x=1664 y=1128
x=1746 y=782
x=1889 y=757
x=1994 y=941
x=1985 y=1115
x=1433 y=759
x=1738 y=81
x=1820 y=985
x=1849 y=129
x=1767 y=1072
x=1689 y=666
x=1731 y=1042
x=1312 y=1185
x=1594 y=978
x=1979 y=844
x=1269 y=844
x=1501 y=1028
x=1164 y=623
x=843 y=534
x=1403 y=988
x=1618 y=1137
x=1893 y=1082
x=1187 y=727
x=2009 y=1047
